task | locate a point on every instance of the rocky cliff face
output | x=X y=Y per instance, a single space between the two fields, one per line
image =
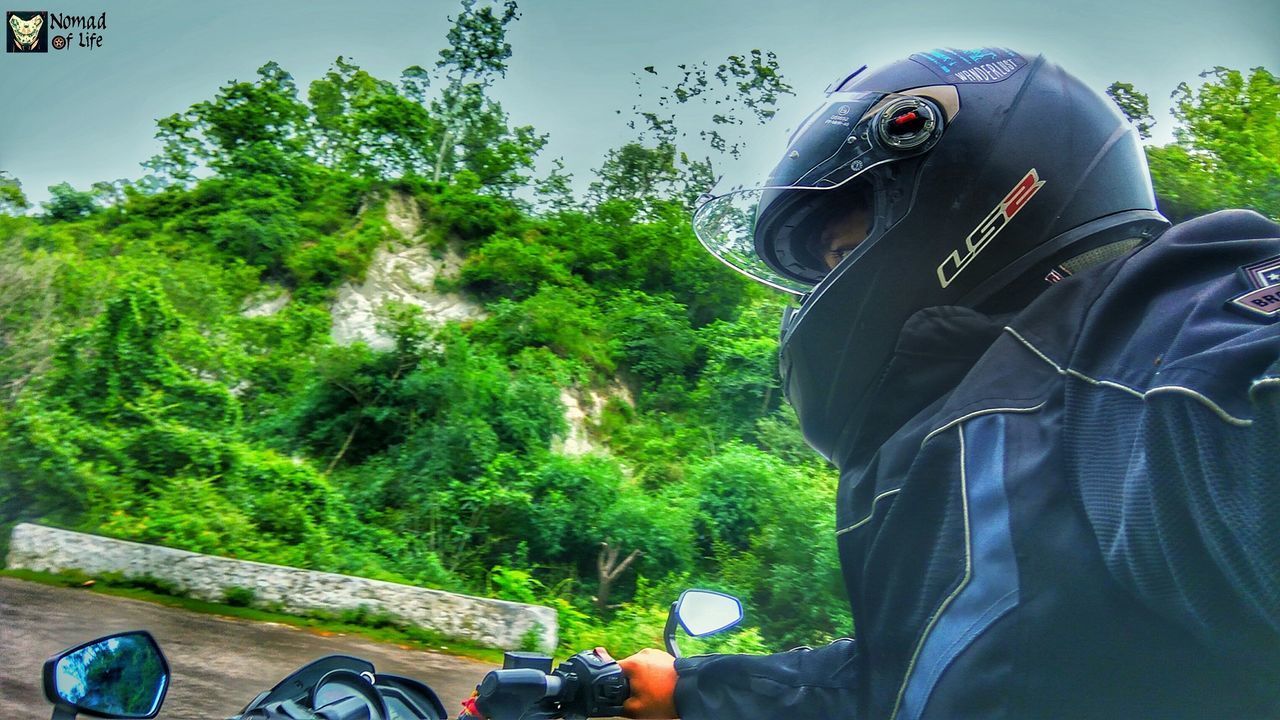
x=582 y=409
x=400 y=272
x=400 y=275
x=404 y=271
x=269 y=301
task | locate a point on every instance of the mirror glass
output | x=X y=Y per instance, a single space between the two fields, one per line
x=122 y=676
x=703 y=612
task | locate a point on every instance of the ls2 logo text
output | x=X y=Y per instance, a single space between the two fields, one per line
x=991 y=226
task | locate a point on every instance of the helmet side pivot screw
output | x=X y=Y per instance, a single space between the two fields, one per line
x=906 y=123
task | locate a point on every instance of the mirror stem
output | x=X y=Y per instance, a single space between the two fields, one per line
x=63 y=712
x=669 y=632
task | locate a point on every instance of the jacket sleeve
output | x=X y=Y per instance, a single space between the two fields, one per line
x=1195 y=528
x=802 y=684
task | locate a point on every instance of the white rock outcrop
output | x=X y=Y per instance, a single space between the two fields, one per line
x=576 y=441
x=581 y=410
x=405 y=272
x=495 y=623
x=402 y=272
x=267 y=302
x=404 y=275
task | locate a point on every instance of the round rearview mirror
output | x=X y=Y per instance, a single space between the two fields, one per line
x=703 y=612
x=120 y=676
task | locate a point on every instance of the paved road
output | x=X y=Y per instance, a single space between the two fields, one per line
x=218 y=664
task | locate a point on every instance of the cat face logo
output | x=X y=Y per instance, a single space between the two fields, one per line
x=27 y=31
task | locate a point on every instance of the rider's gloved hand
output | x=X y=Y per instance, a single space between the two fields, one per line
x=652 y=674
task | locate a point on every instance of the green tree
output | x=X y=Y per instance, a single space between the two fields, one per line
x=768 y=526
x=513 y=267
x=719 y=102
x=115 y=414
x=474 y=134
x=254 y=136
x=1226 y=151
x=564 y=320
x=499 y=157
x=28 y=306
x=121 y=368
x=248 y=128
x=67 y=203
x=555 y=191
x=367 y=127
x=1134 y=105
x=653 y=341
x=111 y=194
x=739 y=385
x=641 y=175
x=176 y=164
x=257 y=127
x=12 y=200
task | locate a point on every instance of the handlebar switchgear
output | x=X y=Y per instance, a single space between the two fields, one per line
x=588 y=684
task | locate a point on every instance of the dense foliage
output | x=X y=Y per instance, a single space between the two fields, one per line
x=1226 y=149
x=141 y=400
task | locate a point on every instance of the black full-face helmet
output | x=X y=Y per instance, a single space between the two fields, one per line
x=984 y=174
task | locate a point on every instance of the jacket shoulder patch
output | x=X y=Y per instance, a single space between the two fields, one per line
x=1262 y=302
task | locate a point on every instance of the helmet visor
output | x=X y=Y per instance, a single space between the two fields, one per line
x=725 y=226
x=850 y=133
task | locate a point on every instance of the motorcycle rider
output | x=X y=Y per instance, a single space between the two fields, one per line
x=1055 y=417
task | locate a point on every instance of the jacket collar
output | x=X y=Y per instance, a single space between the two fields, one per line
x=936 y=348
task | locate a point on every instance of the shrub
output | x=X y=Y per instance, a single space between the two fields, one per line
x=238 y=596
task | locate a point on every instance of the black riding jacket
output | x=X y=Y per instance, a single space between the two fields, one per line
x=1073 y=511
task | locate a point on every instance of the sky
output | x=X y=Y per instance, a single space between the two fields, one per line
x=83 y=114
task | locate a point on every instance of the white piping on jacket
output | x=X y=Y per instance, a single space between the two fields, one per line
x=1178 y=389
x=968 y=575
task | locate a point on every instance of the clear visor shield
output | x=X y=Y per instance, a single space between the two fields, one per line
x=847 y=135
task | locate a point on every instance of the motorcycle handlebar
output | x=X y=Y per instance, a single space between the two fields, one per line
x=586 y=685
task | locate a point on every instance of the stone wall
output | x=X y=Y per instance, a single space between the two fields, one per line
x=494 y=623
